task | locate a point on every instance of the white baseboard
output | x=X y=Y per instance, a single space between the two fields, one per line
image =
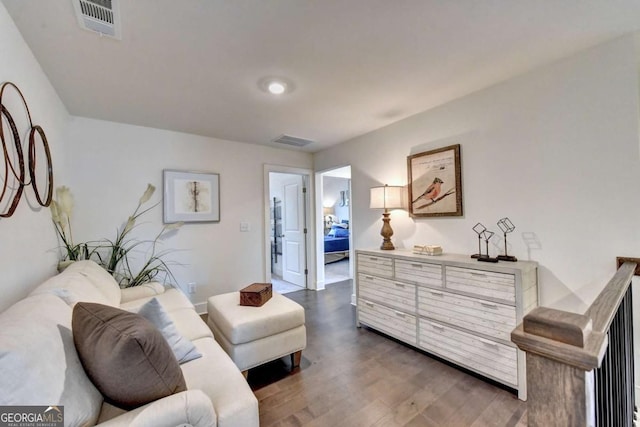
x=201 y=307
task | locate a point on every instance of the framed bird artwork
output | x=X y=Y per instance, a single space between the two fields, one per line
x=435 y=182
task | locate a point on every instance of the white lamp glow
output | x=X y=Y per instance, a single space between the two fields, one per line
x=386 y=197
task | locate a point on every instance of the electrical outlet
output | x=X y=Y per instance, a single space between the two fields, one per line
x=192 y=287
x=245 y=226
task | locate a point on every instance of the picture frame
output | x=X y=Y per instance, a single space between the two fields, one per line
x=191 y=196
x=435 y=182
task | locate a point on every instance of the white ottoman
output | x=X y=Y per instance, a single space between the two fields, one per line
x=252 y=336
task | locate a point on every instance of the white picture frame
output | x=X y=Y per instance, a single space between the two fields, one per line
x=191 y=196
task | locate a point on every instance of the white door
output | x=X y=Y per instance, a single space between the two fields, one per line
x=294 y=232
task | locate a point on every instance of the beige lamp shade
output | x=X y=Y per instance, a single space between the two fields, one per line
x=327 y=211
x=386 y=197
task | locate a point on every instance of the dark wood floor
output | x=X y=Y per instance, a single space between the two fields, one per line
x=357 y=377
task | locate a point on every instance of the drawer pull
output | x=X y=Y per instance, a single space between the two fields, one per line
x=372 y=258
x=487 y=305
x=368 y=277
x=369 y=304
x=399 y=314
x=489 y=343
x=437 y=294
x=416 y=265
x=436 y=326
x=479 y=274
x=400 y=285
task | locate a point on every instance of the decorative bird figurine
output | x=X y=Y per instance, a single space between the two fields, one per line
x=432 y=191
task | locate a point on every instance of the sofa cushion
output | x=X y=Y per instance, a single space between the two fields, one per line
x=219 y=378
x=182 y=348
x=190 y=324
x=172 y=299
x=71 y=287
x=38 y=360
x=191 y=408
x=149 y=289
x=99 y=278
x=124 y=355
x=82 y=281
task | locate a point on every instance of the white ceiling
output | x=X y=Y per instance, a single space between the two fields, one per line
x=357 y=65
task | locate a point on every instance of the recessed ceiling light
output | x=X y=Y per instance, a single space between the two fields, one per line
x=275 y=85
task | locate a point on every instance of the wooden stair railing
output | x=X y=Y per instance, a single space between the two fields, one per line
x=567 y=382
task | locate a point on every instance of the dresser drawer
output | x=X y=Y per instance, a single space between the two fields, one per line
x=395 y=294
x=484 y=356
x=419 y=272
x=482 y=283
x=486 y=317
x=377 y=265
x=395 y=323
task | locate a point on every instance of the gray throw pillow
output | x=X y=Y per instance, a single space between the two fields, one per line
x=182 y=348
x=124 y=355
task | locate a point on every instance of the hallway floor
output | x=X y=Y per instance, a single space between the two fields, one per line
x=333 y=273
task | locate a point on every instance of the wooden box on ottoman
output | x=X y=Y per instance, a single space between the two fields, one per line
x=256 y=294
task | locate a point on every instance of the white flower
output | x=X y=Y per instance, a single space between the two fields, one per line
x=174 y=226
x=65 y=201
x=131 y=222
x=55 y=214
x=147 y=194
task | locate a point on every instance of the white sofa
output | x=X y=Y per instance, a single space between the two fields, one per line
x=39 y=364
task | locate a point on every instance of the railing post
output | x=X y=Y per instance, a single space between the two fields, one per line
x=558 y=394
x=563 y=349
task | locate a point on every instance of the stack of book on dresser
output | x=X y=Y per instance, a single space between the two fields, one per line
x=427 y=250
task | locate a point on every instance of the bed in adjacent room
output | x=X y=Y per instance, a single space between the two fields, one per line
x=336 y=242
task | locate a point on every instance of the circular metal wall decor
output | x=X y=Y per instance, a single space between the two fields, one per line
x=8 y=164
x=17 y=175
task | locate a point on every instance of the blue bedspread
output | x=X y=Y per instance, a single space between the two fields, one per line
x=336 y=244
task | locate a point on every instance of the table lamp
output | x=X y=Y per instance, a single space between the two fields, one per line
x=328 y=216
x=386 y=197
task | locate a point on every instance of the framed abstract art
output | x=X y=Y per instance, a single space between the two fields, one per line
x=191 y=196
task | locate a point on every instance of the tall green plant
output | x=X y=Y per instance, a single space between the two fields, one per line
x=116 y=255
x=153 y=266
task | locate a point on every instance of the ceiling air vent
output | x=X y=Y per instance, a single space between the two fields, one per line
x=100 y=16
x=292 y=140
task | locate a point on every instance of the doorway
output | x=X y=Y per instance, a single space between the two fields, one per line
x=288 y=238
x=337 y=247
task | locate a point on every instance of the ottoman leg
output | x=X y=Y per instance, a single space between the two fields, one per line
x=245 y=374
x=295 y=359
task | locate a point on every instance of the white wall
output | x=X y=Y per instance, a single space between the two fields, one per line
x=107 y=165
x=555 y=150
x=331 y=188
x=112 y=164
x=28 y=253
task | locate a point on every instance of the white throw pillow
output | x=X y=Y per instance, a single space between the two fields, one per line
x=183 y=349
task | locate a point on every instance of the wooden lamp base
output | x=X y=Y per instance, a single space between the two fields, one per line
x=386 y=233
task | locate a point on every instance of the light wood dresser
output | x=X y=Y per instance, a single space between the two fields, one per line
x=451 y=306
